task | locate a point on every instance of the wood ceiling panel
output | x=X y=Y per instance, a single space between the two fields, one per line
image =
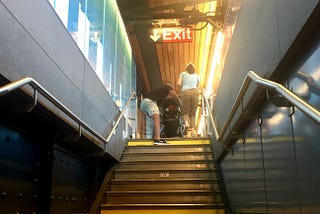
x=181 y=63
x=176 y=63
x=171 y=63
x=161 y=60
x=186 y=53
x=165 y=53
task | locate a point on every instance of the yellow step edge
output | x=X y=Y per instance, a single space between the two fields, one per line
x=170 y=142
x=165 y=211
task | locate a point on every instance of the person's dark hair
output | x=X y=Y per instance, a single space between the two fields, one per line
x=190 y=68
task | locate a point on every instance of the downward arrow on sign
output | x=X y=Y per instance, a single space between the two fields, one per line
x=155 y=36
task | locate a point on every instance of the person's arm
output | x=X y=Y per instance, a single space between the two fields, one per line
x=173 y=94
x=179 y=83
x=198 y=84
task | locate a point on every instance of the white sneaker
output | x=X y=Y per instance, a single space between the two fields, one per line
x=159 y=142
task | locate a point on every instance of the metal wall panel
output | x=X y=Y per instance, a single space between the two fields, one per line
x=274 y=168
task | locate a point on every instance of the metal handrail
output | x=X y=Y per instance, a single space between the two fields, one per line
x=305 y=107
x=212 y=118
x=37 y=87
x=133 y=95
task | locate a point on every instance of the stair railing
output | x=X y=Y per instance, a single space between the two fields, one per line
x=38 y=88
x=295 y=100
x=132 y=96
x=211 y=116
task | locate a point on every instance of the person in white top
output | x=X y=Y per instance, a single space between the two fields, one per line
x=189 y=82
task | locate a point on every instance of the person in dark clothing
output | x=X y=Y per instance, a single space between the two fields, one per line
x=150 y=106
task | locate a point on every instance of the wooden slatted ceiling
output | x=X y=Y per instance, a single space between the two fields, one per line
x=173 y=57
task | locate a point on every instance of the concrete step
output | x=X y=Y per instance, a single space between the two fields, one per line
x=176 y=208
x=171 y=141
x=167 y=148
x=181 y=156
x=164 y=197
x=167 y=165
x=162 y=209
x=176 y=176
x=165 y=173
x=164 y=184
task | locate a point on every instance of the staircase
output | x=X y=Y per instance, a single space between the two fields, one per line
x=178 y=178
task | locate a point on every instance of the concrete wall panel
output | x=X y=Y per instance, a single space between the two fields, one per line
x=40 y=21
x=291 y=16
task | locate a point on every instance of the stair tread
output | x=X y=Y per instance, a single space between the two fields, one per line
x=166 y=170
x=181 y=175
x=164 y=205
x=161 y=191
x=166 y=162
x=166 y=153
x=170 y=146
x=167 y=180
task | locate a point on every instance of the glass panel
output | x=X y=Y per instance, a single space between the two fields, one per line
x=97 y=28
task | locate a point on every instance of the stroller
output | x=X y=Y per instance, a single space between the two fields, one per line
x=172 y=124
